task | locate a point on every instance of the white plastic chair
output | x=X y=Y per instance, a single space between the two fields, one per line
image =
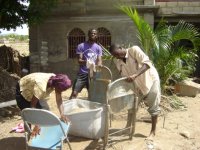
x=53 y=131
x=99 y=83
x=121 y=96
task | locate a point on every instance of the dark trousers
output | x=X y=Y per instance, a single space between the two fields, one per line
x=22 y=102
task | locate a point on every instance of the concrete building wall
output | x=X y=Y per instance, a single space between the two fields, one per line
x=84 y=14
x=178 y=7
x=55 y=34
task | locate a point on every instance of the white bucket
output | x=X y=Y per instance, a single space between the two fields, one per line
x=89 y=122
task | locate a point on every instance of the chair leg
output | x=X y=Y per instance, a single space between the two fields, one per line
x=26 y=140
x=106 y=132
x=133 y=119
x=111 y=118
x=69 y=144
x=61 y=144
x=105 y=142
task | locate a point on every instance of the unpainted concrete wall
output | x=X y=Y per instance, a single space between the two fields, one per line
x=171 y=7
x=84 y=14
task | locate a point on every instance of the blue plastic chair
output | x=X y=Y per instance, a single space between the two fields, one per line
x=53 y=130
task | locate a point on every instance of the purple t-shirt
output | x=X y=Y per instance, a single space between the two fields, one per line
x=89 y=51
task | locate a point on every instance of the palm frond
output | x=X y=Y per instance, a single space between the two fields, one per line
x=184 y=30
x=147 y=39
x=162 y=32
x=106 y=54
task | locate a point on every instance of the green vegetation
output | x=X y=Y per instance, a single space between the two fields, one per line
x=14 y=13
x=165 y=46
x=106 y=54
x=15 y=37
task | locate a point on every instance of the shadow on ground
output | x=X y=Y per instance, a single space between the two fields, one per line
x=13 y=143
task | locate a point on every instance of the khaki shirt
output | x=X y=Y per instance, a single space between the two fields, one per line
x=135 y=58
x=35 y=84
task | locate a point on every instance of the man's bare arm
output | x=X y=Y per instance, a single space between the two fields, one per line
x=34 y=101
x=140 y=71
x=80 y=59
x=60 y=106
x=99 y=60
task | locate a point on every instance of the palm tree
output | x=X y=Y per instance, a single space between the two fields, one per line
x=163 y=45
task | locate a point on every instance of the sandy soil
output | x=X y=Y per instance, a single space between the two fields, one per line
x=178 y=131
x=21 y=47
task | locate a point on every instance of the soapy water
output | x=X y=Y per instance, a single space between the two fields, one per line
x=78 y=110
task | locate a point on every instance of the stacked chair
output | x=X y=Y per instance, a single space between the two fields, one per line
x=117 y=96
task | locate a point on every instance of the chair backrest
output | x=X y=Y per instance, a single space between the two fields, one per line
x=120 y=95
x=103 y=72
x=99 y=83
x=40 y=117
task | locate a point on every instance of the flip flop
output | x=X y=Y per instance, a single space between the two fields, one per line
x=19 y=128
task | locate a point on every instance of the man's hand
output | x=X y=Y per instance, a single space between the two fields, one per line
x=64 y=118
x=131 y=78
x=100 y=65
x=35 y=131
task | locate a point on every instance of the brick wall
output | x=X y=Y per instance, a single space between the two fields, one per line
x=170 y=7
x=84 y=14
x=177 y=0
x=87 y=7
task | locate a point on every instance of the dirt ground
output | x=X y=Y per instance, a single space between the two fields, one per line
x=178 y=130
x=21 y=47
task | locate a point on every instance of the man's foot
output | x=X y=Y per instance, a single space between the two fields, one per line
x=151 y=135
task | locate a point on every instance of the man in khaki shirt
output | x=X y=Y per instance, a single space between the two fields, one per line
x=134 y=64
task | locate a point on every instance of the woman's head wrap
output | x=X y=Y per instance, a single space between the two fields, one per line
x=60 y=81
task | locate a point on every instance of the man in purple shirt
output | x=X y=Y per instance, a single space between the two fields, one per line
x=87 y=51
